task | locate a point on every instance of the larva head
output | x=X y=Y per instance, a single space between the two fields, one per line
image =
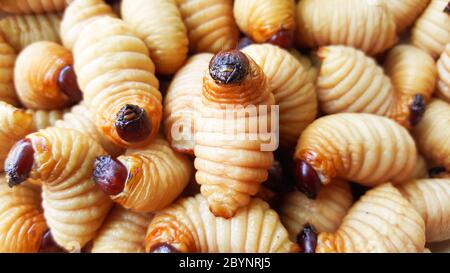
x=417 y=109
x=307 y=179
x=307 y=239
x=19 y=163
x=67 y=84
x=132 y=123
x=283 y=38
x=110 y=175
x=163 y=248
x=229 y=67
x=244 y=42
x=447 y=8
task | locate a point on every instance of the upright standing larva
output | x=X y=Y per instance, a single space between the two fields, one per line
x=122 y=232
x=433 y=134
x=267 y=21
x=44 y=77
x=362 y=148
x=22 y=222
x=33 y=6
x=77 y=15
x=189 y=226
x=405 y=12
x=443 y=67
x=181 y=102
x=43 y=119
x=350 y=81
x=210 y=24
x=381 y=221
x=432 y=30
x=22 y=30
x=7 y=62
x=230 y=160
x=431 y=198
x=363 y=24
x=325 y=213
x=14 y=125
x=63 y=160
x=147 y=179
x=159 y=24
x=292 y=83
x=118 y=82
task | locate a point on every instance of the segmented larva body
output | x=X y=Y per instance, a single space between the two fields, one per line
x=230 y=160
x=350 y=81
x=432 y=30
x=189 y=226
x=433 y=133
x=22 y=222
x=382 y=221
x=22 y=30
x=431 y=198
x=80 y=118
x=266 y=21
x=363 y=24
x=36 y=76
x=159 y=24
x=405 y=12
x=292 y=83
x=182 y=99
x=74 y=207
x=33 y=6
x=363 y=148
x=122 y=232
x=14 y=125
x=7 y=62
x=43 y=119
x=443 y=67
x=78 y=15
x=210 y=24
x=325 y=213
x=114 y=72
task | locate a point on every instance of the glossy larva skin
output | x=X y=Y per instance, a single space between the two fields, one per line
x=156 y=176
x=7 y=62
x=431 y=31
x=33 y=6
x=182 y=100
x=405 y=12
x=189 y=226
x=122 y=232
x=22 y=30
x=362 y=148
x=22 y=224
x=363 y=24
x=160 y=25
x=77 y=15
x=443 y=67
x=382 y=221
x=261 y=19
x=433 y=134
x=114 y=69
x=210 y=24
x=292 y=82
x=325 y=212
x=44 y=119
x=74 y=207
x=431 y=198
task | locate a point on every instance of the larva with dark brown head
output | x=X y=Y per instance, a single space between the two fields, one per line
x=443 y=67
x=33 y=6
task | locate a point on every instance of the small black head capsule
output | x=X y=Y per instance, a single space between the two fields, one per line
x=132 y=123
x=228 y=67
x=417 y=110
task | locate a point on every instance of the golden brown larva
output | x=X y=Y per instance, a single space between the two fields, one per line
x=405 y=12
x=443 y=67
x=350 y=81
x=122 y=232
x=210 y=24
x=189 y=226
x=78 y=15
x=63 y=160
x=22 y=222
x=145 y=179
x=118 y=82
x=325 y=213
x=381 y=221
x=432 y=30
x=43 y=119
x=33 y=6
x=22 y=30
x=292 y=82
x=230 y=160
x=182 y=99
x=159 y=24
x=7 y=61
x=267 y=21
x=363 y=24
x=44 y=77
